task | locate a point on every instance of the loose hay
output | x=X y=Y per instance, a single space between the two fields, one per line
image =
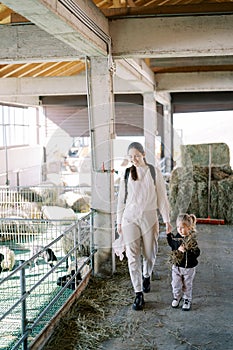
x=90 y=320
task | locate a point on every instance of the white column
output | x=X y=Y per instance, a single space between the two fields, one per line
x=168 y=137
x=150 y=125
x=101 y=114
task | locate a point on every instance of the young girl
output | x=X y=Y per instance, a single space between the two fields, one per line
x=185 y=252
x=138 y=201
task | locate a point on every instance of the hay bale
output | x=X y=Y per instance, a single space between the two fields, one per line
x=195 y=177
x=225 y=199
x=220 y=173
x=194 y=205
x=199 y=154
x=200 y=174
x=180 y=190
x=214 y=193
x=202 y=194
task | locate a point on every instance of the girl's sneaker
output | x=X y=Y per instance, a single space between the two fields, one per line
x=186 y=305
x=176 y=302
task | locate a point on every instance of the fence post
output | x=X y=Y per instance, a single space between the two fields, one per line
x=75 y=252
x=23 y=312
x=92 y=248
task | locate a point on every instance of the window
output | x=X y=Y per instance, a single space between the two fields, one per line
x=14 y=126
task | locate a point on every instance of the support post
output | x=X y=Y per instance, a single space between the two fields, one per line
x=101 y=123
x=168 y=137
x=150 y=125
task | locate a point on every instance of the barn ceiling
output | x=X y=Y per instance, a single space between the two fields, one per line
x=115 y=9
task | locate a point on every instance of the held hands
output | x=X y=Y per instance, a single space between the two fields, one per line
x=119 y=229
x=181 y=248
x=168 y=227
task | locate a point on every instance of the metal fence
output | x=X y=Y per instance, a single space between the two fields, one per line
x=43 y=262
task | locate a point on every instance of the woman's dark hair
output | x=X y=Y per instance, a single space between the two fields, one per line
x=138 y=146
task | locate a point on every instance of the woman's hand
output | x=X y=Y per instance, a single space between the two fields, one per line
x=181 y=248
x=119 y=229
x=168 y=227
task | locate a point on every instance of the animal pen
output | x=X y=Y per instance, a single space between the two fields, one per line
x=44 y=262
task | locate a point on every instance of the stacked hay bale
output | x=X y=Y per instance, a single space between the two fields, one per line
x=189 y=184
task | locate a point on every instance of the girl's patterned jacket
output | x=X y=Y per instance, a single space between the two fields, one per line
x=187 y=259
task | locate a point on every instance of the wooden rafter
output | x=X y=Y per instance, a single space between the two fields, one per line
x=8 y=16
x=169 y=10
x=48 y=69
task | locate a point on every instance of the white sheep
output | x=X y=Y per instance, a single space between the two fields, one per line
x=9 y=258
x=67 y=243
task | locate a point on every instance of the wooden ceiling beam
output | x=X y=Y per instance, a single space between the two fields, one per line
x=46 y=67
x=76 y=70
x=8 y=16
x=169 y=10
x=29 y=71
x=41 y=69
x=219 y=68
x=16 y=18
x=10 y=70
x=4 y=12
x=68 y=69
x=56 y=68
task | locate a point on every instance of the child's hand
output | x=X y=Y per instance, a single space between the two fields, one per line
x=181 y=248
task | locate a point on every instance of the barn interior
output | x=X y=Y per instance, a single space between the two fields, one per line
x=78 y=81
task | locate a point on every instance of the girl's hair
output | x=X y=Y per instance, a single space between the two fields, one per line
x=194 y=221
x=187 y=219
x=138 y=146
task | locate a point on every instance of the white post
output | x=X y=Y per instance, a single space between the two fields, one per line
x=150 y=125
x=168 y=137
x=101 y=117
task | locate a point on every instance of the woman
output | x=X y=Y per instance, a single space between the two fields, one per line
x=139 y=198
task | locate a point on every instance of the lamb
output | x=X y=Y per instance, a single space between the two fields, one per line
x=48 y=255
x=1 y=259
x=67 y=243
x=7 y=258
x=61 y=281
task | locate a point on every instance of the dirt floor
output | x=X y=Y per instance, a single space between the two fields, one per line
x=111 y=324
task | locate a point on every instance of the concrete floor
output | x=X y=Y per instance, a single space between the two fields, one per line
x=208 y=325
